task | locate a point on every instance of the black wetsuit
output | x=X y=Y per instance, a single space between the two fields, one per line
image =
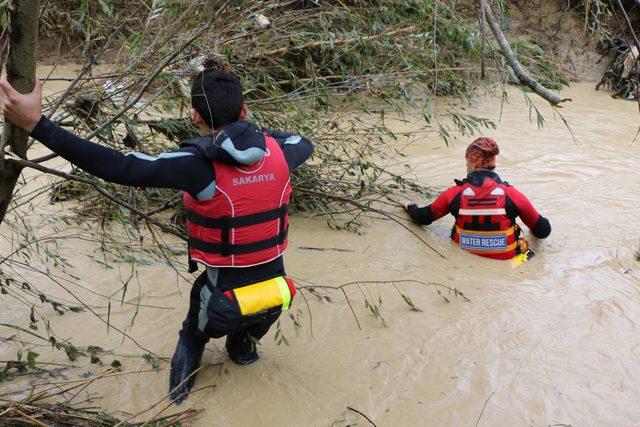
x=184 y=169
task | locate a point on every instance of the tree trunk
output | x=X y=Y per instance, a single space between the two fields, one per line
x=21 y=73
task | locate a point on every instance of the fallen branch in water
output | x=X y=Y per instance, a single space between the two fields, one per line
x=456 y=291
x=92 y=311
x=46 y=414
x=373 y=308
x=37 y=408
x=361 y=414
x=518 y=69
x=95 y=184
x=484 y=407
x=365 y=208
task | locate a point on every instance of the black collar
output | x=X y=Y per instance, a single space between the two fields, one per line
x=476 y=178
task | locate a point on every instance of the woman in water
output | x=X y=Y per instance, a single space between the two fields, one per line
x=485 y=208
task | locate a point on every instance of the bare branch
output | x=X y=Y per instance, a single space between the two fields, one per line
x=95 y=184
x=522 y=74
x=483 y=31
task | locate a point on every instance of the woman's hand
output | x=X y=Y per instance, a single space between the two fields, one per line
x=23 y=110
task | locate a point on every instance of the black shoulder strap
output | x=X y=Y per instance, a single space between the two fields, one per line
x=461 y=181
x=201 y=144
x=226 y=224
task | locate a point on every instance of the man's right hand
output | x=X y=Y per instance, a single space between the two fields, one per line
x=23 y=110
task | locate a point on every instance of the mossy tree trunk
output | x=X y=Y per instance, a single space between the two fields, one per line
x=21 y=73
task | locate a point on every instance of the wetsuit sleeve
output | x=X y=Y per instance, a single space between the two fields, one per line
x=297 y=149
x=539 y=225
x=436 y=210
x=181 y=170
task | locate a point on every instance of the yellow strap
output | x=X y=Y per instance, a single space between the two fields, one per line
x=285 y=293
x=507 y=232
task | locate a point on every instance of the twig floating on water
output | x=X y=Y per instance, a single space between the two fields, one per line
x=362 y=414
x=311 y=248
x=484 y=407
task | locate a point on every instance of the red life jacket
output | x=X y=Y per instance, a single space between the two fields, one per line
x=246 y=221
x=482 y=225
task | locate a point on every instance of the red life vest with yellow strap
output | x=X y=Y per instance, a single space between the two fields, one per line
x=482 y=225
x=246 y=221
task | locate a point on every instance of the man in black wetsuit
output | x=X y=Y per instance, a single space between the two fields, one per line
x=220 y=112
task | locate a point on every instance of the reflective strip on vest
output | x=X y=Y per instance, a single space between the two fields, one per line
x=477 y=212
x=263 y=296
x=509 y=248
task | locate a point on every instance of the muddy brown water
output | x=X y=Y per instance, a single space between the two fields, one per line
x=554 y=342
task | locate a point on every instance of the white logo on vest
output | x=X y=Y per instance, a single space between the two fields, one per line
x=254 y=179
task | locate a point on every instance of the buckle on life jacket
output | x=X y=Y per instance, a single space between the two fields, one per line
x=257 y=297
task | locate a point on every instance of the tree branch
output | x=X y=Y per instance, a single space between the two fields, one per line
x=365 y=208
x=170 y=58
x=522 y=74
x=95 y=184
x=628 y=21
x=483 y=31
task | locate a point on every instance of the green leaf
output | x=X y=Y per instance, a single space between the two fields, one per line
x=31 y=359
x=410 y=303
x=94 y=350
x=72 y=352
x=105 y=7
x=149 y=358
